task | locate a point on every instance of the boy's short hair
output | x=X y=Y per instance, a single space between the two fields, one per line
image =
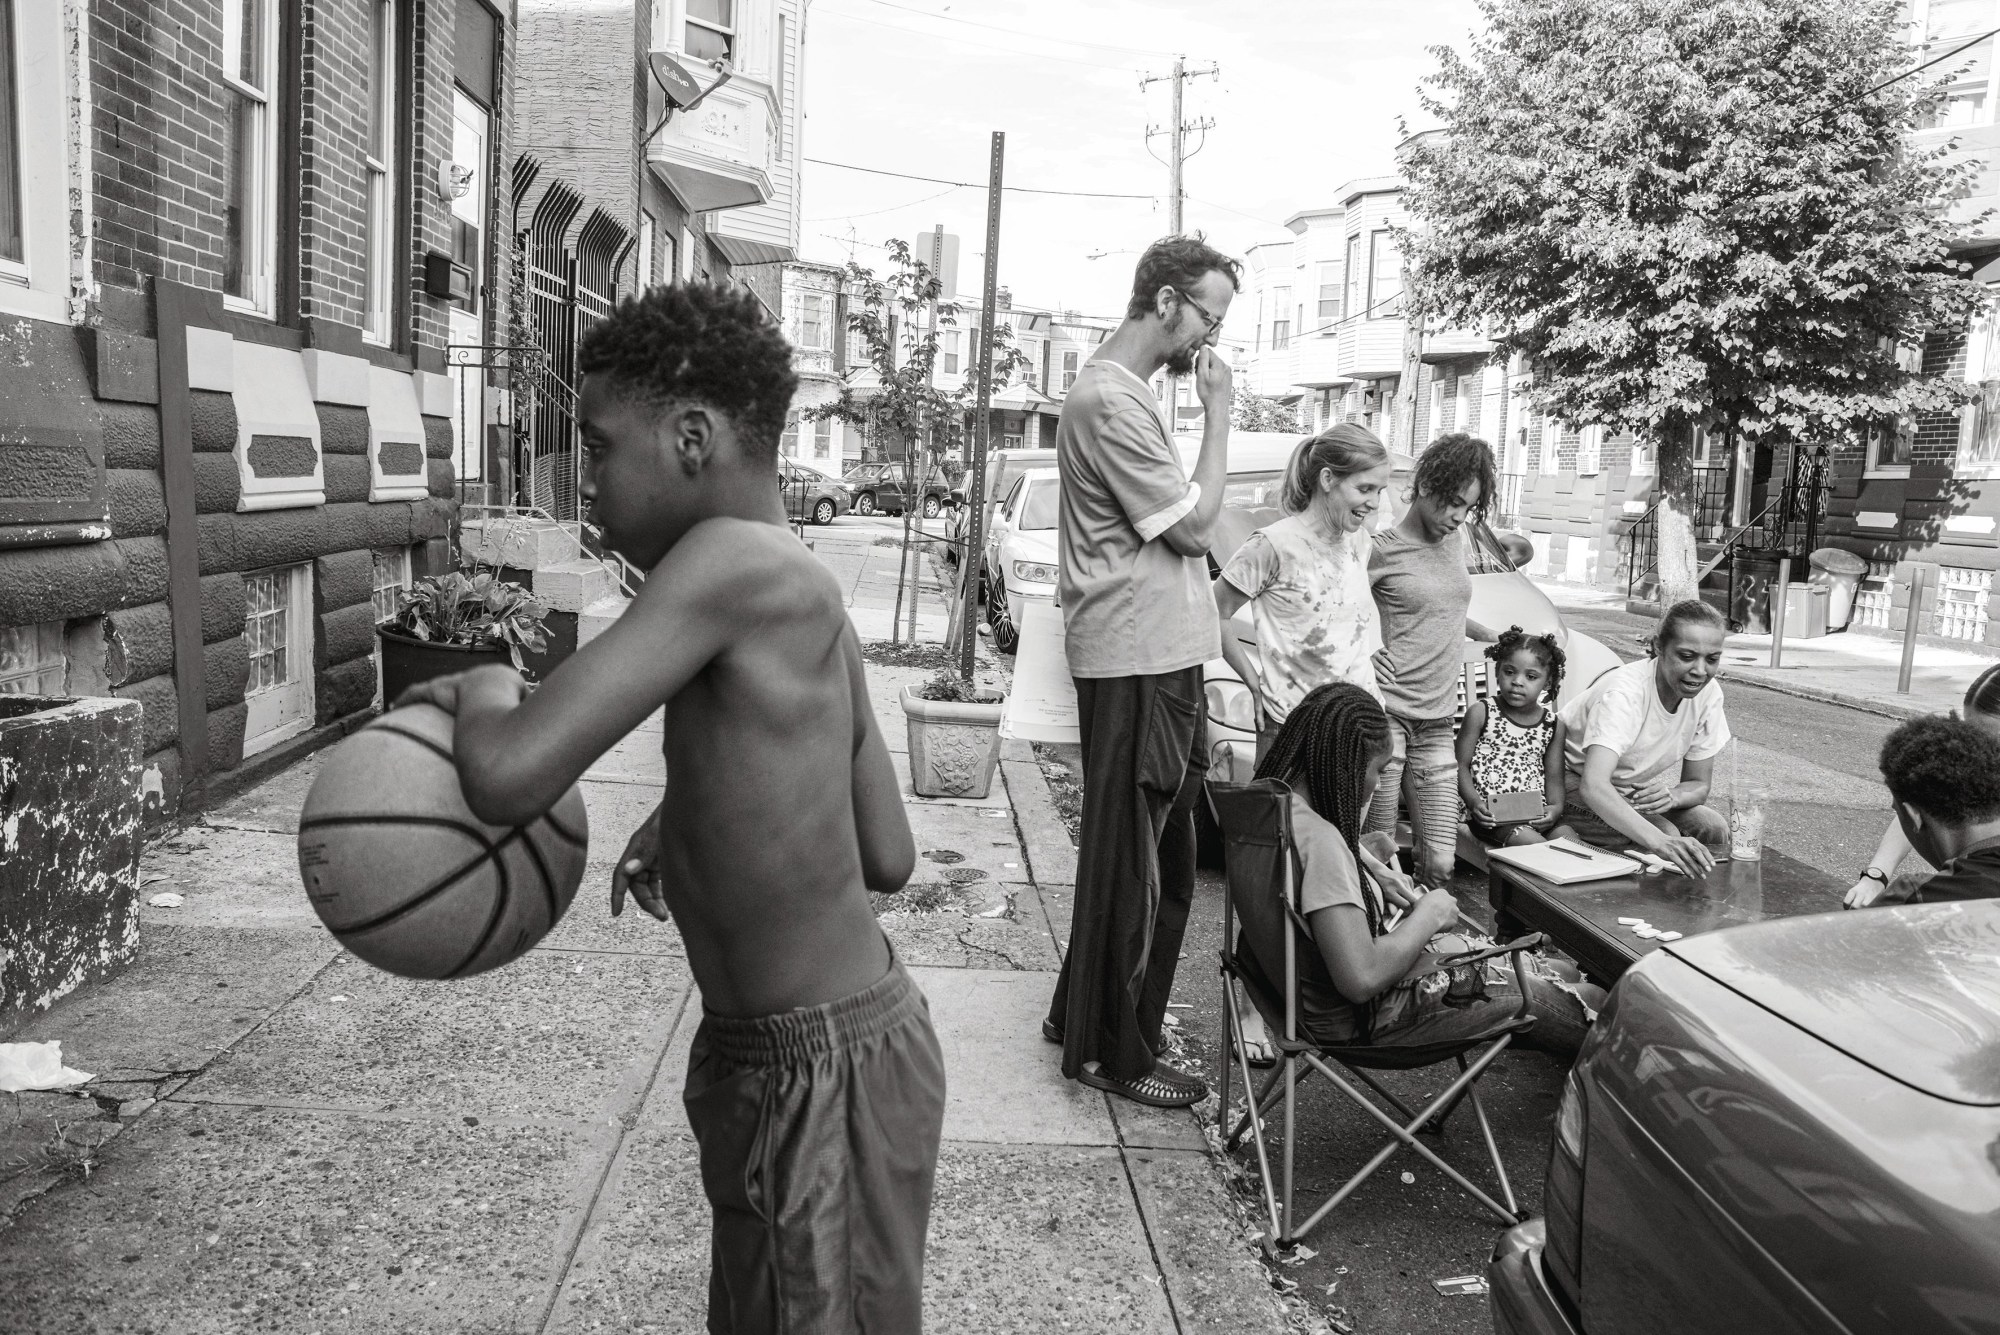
x=1177 y=261
x=706 y=343
x=1945 y=767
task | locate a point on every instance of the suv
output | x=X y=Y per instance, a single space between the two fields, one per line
x=1786 y=1127
x=880 y=488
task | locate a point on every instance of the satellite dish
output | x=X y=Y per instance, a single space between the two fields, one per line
x=675 y=82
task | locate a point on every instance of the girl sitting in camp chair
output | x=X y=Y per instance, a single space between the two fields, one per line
x=1387 y=945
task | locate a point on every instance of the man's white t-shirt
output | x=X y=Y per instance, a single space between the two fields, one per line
x=1622 y=710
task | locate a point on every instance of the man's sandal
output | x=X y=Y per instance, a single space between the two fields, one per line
x=1161 y=1087
x=1052 y=1033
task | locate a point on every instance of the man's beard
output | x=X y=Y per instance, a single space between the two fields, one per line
x=1182 y=362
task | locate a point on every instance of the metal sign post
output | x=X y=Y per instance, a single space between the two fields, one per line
x=975 y=498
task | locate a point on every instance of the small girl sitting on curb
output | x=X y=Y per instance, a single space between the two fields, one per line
x=1515 y=743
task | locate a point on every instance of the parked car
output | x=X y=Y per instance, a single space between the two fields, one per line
x=1002 y=467
x=880 y=488
x=812 y=497
x=1787 y=1127
x=1020 y=562
x=1501 y=595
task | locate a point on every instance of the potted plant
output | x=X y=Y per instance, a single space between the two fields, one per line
x=954 y=731
x=455 y=621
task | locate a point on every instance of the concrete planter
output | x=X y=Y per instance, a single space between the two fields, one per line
x=953 y=747
x=407 y=660
x=69 y=846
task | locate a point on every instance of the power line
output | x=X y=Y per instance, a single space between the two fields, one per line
x=1928 y=63
x=1020 y=32
x=895 y=208
x=975 y=185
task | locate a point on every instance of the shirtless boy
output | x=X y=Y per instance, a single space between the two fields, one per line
x=816 y=1085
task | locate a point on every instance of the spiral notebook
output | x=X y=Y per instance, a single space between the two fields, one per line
x=1565 y=861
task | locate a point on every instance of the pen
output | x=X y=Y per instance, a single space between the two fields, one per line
x=1561 y=847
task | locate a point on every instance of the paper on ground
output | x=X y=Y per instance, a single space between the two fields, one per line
x=1041 y=703
x=36 y=1066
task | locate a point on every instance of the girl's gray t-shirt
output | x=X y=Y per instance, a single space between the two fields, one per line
x=1422 y=591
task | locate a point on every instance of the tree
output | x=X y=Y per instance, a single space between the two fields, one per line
x=1258 y=412
x=892 y=313
x=1691 y=213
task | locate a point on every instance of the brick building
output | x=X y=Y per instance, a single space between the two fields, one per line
x=238 y=239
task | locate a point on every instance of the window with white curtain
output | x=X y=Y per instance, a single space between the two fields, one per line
x=709 y=32
x=250 y=157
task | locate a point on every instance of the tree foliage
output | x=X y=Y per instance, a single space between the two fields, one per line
x=1692 y=212
x=1249 y=411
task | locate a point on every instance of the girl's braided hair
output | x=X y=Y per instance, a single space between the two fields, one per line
x=1543 y=647
x=1324 y=746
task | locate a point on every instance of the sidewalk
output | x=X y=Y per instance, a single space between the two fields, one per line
x=1853 y=669
x=280 y=1137
x=864 y=558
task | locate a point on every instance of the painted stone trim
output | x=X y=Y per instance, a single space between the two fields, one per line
x=51 y=441
x=211 y=360
x=395 y=437
x=335 y=377
x=282 y=456
x=69 y=847
x=434 y=393
x=273 y=399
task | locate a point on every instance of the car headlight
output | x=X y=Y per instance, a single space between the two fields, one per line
x=1231 y=704
x=1034 y=572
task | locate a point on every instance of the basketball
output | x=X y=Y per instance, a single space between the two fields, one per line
x=406 y=877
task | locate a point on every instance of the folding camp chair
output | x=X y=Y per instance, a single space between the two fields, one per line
x=1263 y=870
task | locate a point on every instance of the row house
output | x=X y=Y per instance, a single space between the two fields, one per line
x=236 y=239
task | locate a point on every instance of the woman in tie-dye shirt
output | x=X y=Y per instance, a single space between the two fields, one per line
x=1305 y=579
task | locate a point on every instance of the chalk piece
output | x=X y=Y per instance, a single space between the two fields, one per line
x=1670 y=936
x=1631 y=922
x=1645 y=933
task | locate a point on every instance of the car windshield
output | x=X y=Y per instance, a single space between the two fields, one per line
x=1038 y=507
x=1253 y=491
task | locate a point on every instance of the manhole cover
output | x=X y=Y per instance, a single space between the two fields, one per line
x=963 y=874
x=944 y=855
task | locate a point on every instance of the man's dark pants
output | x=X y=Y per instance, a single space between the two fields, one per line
x=1142 y=775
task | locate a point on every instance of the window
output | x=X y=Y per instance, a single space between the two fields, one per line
x=710 y=30
x=392 y=576
x=1950 y=25
x=13 y=241
x=788 y=443
x=1072 y=361
x=823 y=438
x=948 y=351
x=32 y=661
x=1385 y=275
x=378 y=160
x=1011 y=441
x=1353 y=275
x=649 y=232
x=1590 y=449
x=250 y=161
x=812 y=321
x=1890 y=445
x=1281 y=319
x=1329 y=294
x=471 y=124
x=277 y=629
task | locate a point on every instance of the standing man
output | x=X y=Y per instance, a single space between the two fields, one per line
x=1140 y=621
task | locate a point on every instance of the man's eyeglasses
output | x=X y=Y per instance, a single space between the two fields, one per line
x=1212 y=322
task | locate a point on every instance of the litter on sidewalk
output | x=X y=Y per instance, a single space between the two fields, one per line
x=36 y=1066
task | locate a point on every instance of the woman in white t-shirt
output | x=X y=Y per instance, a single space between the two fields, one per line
x=1642 y=743
x=1305 y=579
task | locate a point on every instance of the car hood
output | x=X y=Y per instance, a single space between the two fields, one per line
x=1912 y=991
x=1035 y=544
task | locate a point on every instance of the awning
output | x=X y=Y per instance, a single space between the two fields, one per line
x=1021 y=397
x=743 y=251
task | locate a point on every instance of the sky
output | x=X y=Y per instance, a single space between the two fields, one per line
x=1309 y=96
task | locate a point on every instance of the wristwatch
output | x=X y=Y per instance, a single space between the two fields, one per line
x=1874 y=875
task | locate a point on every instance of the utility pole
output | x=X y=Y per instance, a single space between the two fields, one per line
x=1177 y=154
x=975 y=485
x=1177 y=131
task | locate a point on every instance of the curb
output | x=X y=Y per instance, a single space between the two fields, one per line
x=1882 y=708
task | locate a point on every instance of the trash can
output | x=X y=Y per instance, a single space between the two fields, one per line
x=1841 y=572
x=1752 y=572
x=1805 y=611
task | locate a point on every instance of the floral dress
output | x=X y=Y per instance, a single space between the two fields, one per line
x=1510 y=758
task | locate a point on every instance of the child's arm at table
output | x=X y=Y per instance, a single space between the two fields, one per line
x=881 y=826
x=1469 y=733
x=1553 y=795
